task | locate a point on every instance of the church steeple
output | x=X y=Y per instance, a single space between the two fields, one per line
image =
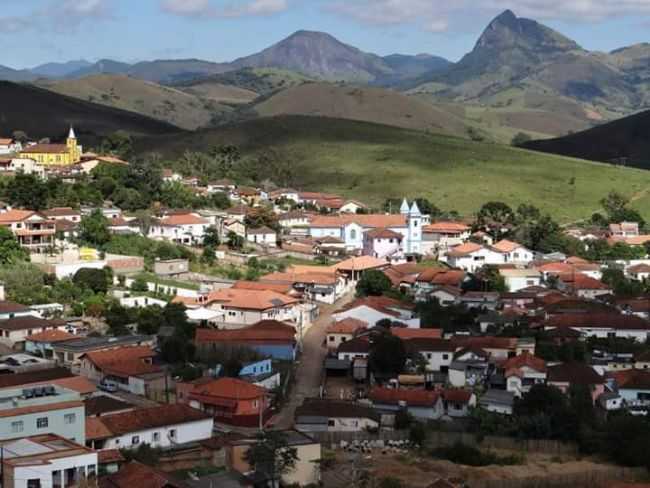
x=71 y=134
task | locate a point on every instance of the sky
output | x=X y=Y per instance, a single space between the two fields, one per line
x=38 y=31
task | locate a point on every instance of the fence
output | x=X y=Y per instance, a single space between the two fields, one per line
x=336 y=437
x=601 y=477
x=441 y=438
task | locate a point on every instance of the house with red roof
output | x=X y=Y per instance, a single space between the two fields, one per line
x=383 y=243
x=269 y=338
x=131 y=368
x=343 y=331
x=421 y=404
x=162 y=426
x=471 y=256
x=581 y=285
x=228 y=400
x=241 y=307
x=457 y=402
x=513 y=252
x=33 y=230
x=438 y=353
x=41 y=342
x=372 y=309
x=522 y=372
x=633 y=385
x=440 y=236
x=565 y=375
x=184 y=228
x=602 y=325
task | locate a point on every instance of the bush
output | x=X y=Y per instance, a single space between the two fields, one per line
x=462 y=454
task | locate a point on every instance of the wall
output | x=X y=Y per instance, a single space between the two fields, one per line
x=55 y=425
x=44 y=471
x=601 y=477
x=189 y=432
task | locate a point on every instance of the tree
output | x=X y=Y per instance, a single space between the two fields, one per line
x=374 y=283
x=10 y=250
x=25 y=283
x=520 y=138
x=615 y=205
x=149 y=320
x=211 y=237
x=387 y=354
x=93 y=229
x=497 y=217
x=209 y=256
x=628 y=440
x=119 y=144
x=20 y=136
x=492 y=279
x=261 y=217
x=97 y=280
x=139 y=284
x=118 y=317
x=272 y=456
x=235 y=241
x=28 y=191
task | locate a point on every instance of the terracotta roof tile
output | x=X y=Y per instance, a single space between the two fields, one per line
x=457 y=395
x=446 y=228
x=250 y=299
x=183 y=219
x=347 y=326
x=393 y=396
x=573 y=373
x=228 y=388
x=525 y=359
x=464 y=249
x=367 y=220
x=262 y=332
x=598 y=321
x=151 y=418
x=138 y=475
x=50 y=336
x=506 y=246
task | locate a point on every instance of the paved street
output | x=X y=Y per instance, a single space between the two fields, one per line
x=309 y=370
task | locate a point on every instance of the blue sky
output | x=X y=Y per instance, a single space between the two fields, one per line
x=37 y=31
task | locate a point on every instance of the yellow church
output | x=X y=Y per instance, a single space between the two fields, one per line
x=55 y=154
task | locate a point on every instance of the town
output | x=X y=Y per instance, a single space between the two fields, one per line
x=159 y=324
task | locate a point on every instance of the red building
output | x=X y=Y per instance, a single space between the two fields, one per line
x=228 y=400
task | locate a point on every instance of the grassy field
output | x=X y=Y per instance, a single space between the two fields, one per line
x=373 y=162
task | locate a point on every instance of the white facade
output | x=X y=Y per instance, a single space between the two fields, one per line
x=12 y=337
x=264 y=239
x=163 y=437
x=189 y=234
x=475 y=260
x=82 y=465
x=141 y=301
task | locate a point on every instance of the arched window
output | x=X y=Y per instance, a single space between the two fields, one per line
x=353 y=234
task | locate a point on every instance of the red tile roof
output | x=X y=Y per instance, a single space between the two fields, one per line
x=50 y=336
x=598 y=321
x=268 y=331
x=347 y=326
x=464 y=249
x=393 y=396
x=525 y=359
x=151 y=418
x=580 y=281
x=138 y=475
x=229 y=389
x=446 y=228
x=183 y=219
x=573 y=373
x=635 y=379
x=383 y=233
x=457 y=396
x=250 y=299
x=506 y=246
x=405 y=333
x=367 y=221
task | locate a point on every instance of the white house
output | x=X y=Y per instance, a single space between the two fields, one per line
x=523 y=372
x=517 y=279
x=187 y=229
x=316 y=415
x=438 y=353
x=141 y=302
x=383 y=243
x=471 y=257
x=239 y=307
x=47 y=461
x=160 y=427
x=421 y=404
x=513 y=252
x=441 y=236
x=264 y=236
x=602 y=325
x=14 y=331
x=10 y=146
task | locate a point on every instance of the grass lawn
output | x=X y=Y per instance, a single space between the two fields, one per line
x=372 y=162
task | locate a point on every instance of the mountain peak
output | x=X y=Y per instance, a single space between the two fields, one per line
x=507 y=17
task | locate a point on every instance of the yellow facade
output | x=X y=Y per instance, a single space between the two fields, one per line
x=55 y=154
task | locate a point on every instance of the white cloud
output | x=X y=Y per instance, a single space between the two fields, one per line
x=61 y=16
x=435 y=15
x=237 y=8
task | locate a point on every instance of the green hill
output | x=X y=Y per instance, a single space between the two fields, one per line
x=42 y=113
x=373 y=162
x=177 y=107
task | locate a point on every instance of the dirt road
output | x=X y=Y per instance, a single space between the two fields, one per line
x=310 y=368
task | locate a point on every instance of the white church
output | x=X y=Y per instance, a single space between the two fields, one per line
x=352 y=229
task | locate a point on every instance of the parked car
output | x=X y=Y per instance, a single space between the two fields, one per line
x=108 y=385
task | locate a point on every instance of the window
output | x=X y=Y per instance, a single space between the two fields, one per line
x=35 y=483
x=353 y=234
x=91 y=471
x=331 y=423
x=156 y=436
x=332 y=338
x=69 y=418
x=172 y=433
x=42 y=423
x=445 y=357
x=17 y=426
x=135 y=440
x=255 y=404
